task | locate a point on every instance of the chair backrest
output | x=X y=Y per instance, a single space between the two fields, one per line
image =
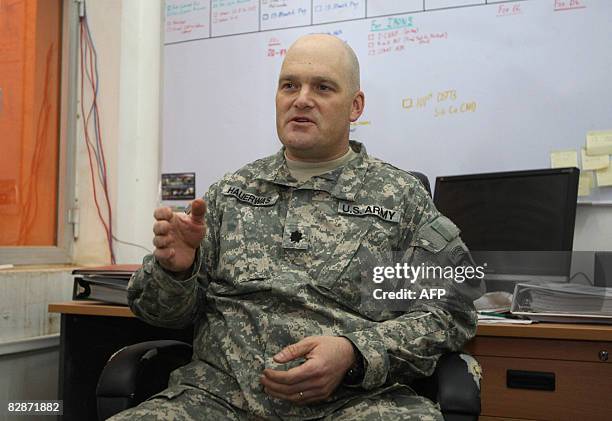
x=423 y=179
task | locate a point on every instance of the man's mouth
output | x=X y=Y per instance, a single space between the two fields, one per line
x=302 y=120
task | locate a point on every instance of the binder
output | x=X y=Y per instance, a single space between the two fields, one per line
x=104 y=283
x=563 y=303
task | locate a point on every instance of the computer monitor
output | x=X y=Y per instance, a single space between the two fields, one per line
x=520 y=223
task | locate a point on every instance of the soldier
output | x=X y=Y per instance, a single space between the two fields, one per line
x=269 y=270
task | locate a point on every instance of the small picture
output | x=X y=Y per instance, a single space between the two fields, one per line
x=178 y=186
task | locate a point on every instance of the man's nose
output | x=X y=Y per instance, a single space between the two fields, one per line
x=304 y=98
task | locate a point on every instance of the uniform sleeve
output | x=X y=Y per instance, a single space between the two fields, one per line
x=159 y=298
x=408 y=346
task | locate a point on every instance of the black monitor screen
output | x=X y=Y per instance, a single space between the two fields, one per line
x=527 y=212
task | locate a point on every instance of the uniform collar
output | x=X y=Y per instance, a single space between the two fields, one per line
x=342 y=183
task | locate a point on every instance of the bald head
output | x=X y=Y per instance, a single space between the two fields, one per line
x=336 y=50
x=317 y=98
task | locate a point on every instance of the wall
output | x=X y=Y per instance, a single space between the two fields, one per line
x=104 y=18
x=29 y=335
x=29 y=375
x=127 y=36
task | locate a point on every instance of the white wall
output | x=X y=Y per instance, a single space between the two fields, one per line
x=127 y=37
x=104 y=18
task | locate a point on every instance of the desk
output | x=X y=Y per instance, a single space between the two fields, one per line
x=574 y=355
x=92 y=331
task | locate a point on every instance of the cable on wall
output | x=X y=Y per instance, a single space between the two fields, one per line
x=93 y=134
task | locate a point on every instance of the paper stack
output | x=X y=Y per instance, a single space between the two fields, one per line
x=570 y=303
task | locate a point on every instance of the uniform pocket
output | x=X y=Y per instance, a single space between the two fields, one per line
x=249 y=242
x=349 y=275
x=337 y=266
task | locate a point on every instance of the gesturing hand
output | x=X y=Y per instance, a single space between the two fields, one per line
x=328 y=358
x=178 y=235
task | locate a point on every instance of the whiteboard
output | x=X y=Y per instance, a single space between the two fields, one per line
x=451 y=86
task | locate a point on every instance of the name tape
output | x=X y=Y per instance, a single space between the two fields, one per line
x=250 y=198
x=363 y=210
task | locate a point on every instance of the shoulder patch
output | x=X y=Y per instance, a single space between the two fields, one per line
x=250 y=198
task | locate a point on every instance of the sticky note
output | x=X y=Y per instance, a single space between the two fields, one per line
x=585 y=183
x=563 y=159
x=604 y=177
x=599 y=143
x=596 y=162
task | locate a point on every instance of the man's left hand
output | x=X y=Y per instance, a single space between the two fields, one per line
x=328 y=358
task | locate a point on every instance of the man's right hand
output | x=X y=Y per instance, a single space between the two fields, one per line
x=178 y=235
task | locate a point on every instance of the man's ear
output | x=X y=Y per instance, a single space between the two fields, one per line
x=357 y=106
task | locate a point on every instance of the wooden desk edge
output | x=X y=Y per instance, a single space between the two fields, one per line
x=536 y=330
x=569 y=331
x=90 y=308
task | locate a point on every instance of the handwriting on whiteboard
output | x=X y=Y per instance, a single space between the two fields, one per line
x=509 y=10
x=186 y=20
x=327 y=11
x=391 y=23
x=197 y=19
x=179 y=9
x=279 y=14
x=568 y=5
x=441 y=103
x=231 y=14
x=283 y=14
x=400 y=39
x=275 y=48
x=337 y=5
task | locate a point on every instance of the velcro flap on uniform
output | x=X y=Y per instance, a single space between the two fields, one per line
x=429 y=239
x=250 y=198
x=385 y=214
x=445 y=227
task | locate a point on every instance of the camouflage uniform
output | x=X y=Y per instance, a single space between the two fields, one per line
x=284 y=260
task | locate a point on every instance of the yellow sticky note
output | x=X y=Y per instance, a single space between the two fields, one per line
x=585 y=183
x=604 y=177
x=563 y=159
x=599 y=143
x=597 y=162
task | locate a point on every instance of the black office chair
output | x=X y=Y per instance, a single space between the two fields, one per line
x=141 y=370
x=138 y=371
x=423 y=179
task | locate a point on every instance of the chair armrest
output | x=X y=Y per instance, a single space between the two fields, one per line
x=459 y=384
x=136 y=372
x=455 y=385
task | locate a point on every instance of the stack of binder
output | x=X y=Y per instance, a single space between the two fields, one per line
x=104 y=283
x=569 y=303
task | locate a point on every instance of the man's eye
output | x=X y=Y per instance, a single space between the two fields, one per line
x=324 y=88
x=288 y=85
